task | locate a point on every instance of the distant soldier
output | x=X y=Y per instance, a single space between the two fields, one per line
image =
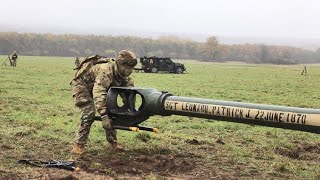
x=89 y=88
x=14 y=58
x=304 y=71
x=77 y=62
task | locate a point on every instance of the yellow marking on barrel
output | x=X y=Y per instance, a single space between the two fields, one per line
x=156 y=130
x=134 y=129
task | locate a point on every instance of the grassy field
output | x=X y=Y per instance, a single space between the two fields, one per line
x=39 y=121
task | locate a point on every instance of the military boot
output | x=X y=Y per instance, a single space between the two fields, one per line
x=78 y=149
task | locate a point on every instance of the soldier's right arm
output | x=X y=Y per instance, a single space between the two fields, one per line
x=101 y=86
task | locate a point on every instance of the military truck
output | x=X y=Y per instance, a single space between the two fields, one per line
x=155 y=64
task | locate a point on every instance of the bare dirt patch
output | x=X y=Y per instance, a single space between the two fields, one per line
x=133 y=163
x=304 y=151
x=4 y=174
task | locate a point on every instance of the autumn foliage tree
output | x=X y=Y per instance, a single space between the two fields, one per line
x=35 y=44
x=209 y=49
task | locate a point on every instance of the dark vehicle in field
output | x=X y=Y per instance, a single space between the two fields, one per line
x=155 y=64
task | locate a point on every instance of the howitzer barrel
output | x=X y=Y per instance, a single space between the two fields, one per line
x=163 y=103
x=266 y=115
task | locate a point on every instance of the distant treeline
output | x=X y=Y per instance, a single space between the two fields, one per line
x=34 y=44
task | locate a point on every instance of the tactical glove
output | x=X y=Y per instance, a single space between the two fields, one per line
x=111 y=134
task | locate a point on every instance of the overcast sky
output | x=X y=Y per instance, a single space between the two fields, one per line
x=254 y=18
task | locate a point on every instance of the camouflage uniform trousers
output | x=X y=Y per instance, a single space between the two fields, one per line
x=14 y=62
x=84 y=101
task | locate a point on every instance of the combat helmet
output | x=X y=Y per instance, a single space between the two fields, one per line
x=126 y=58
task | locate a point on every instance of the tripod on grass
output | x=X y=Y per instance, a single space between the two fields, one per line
x=5 y=61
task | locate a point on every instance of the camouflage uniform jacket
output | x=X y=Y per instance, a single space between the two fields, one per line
x=97 y=80
x=14 y=56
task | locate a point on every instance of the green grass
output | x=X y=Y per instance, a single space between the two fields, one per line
x=39 y=121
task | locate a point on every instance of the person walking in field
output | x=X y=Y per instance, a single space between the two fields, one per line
x=77 y=63
x=14 y=58
x=89 y=89
x=304 y=71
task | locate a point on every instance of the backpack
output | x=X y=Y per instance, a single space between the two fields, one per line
x=89 y=62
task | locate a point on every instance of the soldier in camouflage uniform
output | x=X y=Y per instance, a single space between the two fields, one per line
x=89 y=89
x=14 y=58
